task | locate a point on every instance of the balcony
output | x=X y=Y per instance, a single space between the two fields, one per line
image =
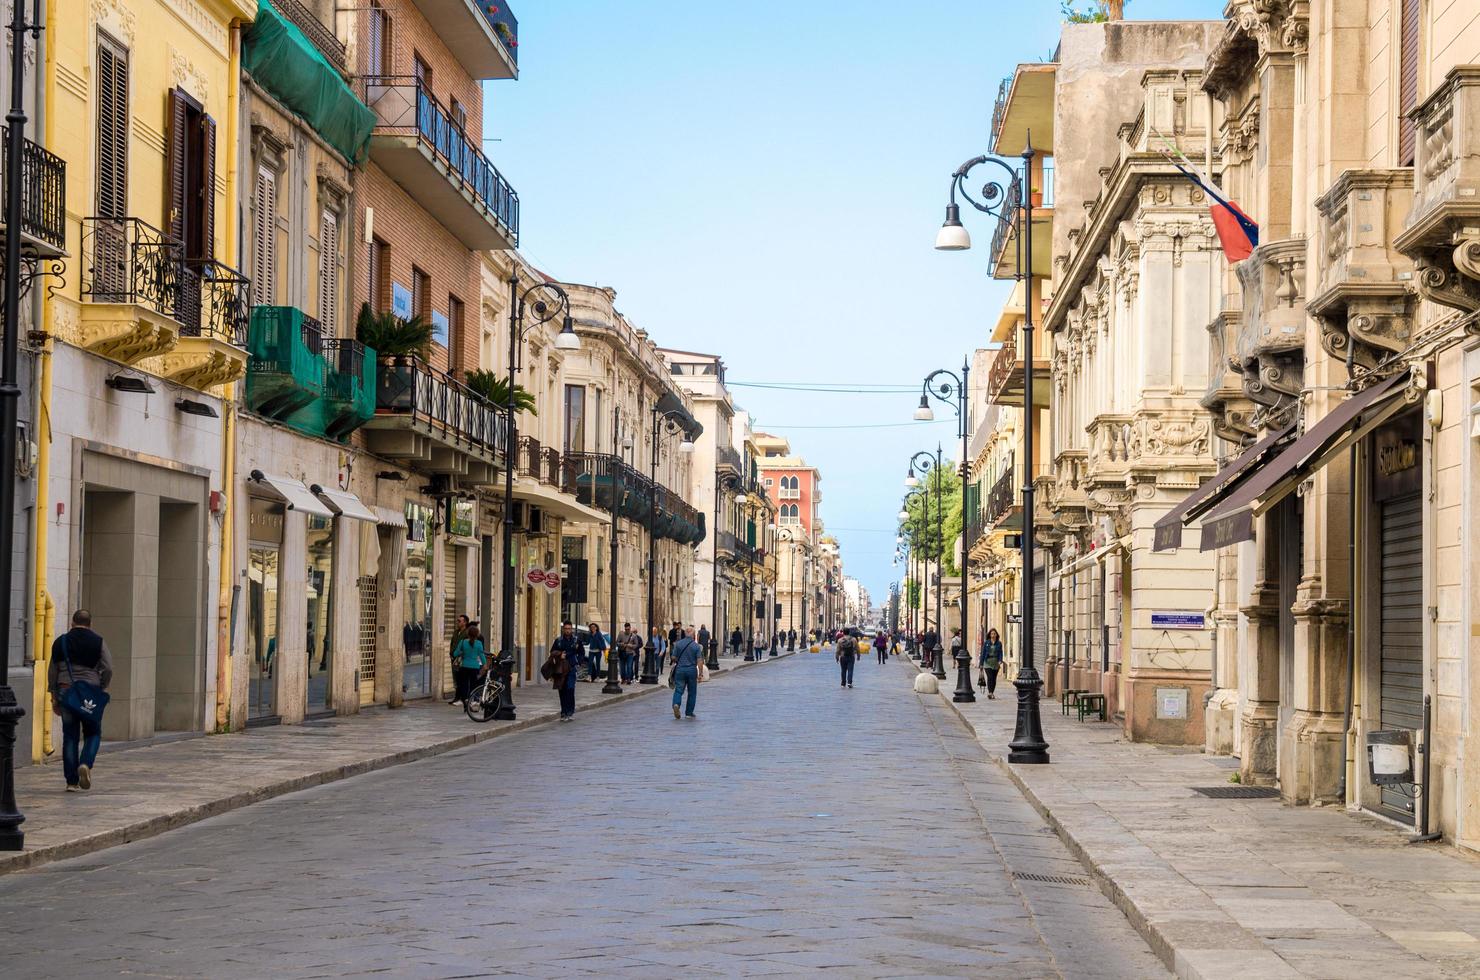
x=416 y=142
x=434 y=423
x=285 y=372
x=214 y=311
x=596 y=477
x=1025 y=104
x=1006 y=256
x=483 y=35
x=727 y=459
x=1007 y=376
x=1003 y=503
x=43 y=200
x=1108 y=460
x=320 y=34
x=1231 y=408
x=130 y=288
x=348 y=401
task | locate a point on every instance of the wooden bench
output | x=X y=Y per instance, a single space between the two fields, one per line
x=1068 y=699
x=1089 y=703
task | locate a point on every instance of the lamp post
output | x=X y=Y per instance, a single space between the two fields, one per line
x=543 y=301
x=661 y=420
x=1006 y=199
x=928 y=466
x=785 y=534
x=613 y=683
x=723 y=482
x=949 y=389
x=12 y=838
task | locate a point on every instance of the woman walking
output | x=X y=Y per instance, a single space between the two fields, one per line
x=991 y=662
x=881 y=645
x=594 y=649
x=468 y=660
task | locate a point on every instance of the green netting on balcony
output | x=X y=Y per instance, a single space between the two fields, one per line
x=285 y=62
x=285 y=370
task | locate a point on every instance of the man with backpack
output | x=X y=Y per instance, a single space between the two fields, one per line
x=847 y=653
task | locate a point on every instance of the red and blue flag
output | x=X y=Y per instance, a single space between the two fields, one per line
x=1237 y=232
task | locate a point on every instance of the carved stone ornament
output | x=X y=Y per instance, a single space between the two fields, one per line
x=1452 y=277
x=117 y=18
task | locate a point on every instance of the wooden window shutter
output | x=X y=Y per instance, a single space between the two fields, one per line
x=112 y=129
x=264 y=237
x=1408 y=32
x=329 y=272
x=207 y=188
x=176 y=143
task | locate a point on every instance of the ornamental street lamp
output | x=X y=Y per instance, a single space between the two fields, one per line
x=785 y=534
x=723 y=483
x=919 y=624
x=661 y=421
x=948 y=389
x=926 y=464
x=543 y=302
x=620 y=441
x=1006 y=199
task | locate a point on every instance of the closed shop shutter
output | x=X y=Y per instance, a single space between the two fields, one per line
x=369 y=589
x=1400 y=687
x=450 y=591
x=1040 y=616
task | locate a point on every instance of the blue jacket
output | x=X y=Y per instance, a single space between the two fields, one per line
x=571 y=647
x=469 y=653
x=991 y=654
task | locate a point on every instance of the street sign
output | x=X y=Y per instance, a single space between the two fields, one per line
x=1178 y=619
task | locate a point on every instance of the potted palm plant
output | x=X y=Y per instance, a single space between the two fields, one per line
x=495 y=389
x=398 y=344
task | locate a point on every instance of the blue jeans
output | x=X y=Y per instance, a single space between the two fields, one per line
x=846 y=662
x=75 y=729
x=629 y=666
x=686 y=677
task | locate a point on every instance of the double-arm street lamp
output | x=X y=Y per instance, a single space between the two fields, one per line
x=1006 y=199
x=723 y=483
x=928 y=466
x=620 y=441
x=949 y=389
x=537 y=304
x=662 y=421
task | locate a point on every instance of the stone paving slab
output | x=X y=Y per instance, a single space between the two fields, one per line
x=1239 y=889
x=142 y=790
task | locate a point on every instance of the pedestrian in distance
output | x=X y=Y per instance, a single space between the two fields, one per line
x=881 y=646
x=958 y=643
x=991 y=662
x=562 y=664
x=688 y=658
x=594 y=649
x=629 y=643
x=675 y=633
x=929 y=644
x=660 y=648
x=704 y=638
x=791 y=641
x=78 y=677
x=737 y=640
x=459 y=692
x=469 y=661
x=758 y=642
x=846 y=654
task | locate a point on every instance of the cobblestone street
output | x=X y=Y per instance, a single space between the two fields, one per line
x=794 y=826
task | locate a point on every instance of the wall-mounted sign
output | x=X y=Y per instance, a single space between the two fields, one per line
x=1178 y=619
x=535 y=576
x=265 y=521
x=460 y=523
x=1397 y=452
x=552 y=580
x=439 y=328
x=400 y=301
x=1171 y=703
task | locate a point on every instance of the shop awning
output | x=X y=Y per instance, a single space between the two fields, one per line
x=390 y=517
x=563 y=506
x=1233 y=521
x=344 y=503
x=1169 y=528
x=292 y=493
x=285 y=62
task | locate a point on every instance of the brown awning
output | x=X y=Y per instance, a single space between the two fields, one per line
x=1169 y=528
x=1346 y=423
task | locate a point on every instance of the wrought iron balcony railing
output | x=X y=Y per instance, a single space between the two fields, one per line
x=414 y=388
x=214 y=301
x=43 y=193
x=125 y=260
x=404 y=107
x=999 y=109
x=1009 y=215
x=321 y=34
x=727 y=457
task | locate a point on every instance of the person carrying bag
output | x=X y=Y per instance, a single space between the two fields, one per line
x=80 y=696
x=688 y=670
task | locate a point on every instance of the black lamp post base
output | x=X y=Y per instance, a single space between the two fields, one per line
x=964 y=694
x=938 y=664
x=612 y=685
x=12 y=838
x=505 y=710
x=1027 y=746
x=649 y=665
x=713 y=661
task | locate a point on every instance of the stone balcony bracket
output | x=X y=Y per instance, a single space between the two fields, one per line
x=125 y=332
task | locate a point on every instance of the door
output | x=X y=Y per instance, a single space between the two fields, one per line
x=1040 y=617
x=369 y=592
x=1400 y=629
x=262 y=628
x=319 y=593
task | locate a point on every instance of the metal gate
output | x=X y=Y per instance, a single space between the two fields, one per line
x=1040 y=617
x=1400 y=687
x=369 y=586
x=450 y=590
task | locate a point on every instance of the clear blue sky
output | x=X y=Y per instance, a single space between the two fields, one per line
x=765 y=182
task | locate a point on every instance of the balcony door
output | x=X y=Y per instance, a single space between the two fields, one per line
x=190 y=196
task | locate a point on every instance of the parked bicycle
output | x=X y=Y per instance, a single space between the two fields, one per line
x=483 y=699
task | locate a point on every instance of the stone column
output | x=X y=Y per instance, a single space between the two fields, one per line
x=1259 y=661
x=1223 y=706
x=344 y=633
x=291 y=661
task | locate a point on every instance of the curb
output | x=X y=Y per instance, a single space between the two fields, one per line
x=163 y=823
x=1160 y=944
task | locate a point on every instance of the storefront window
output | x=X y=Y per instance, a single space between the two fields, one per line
x=319 y=588
x=416 y=634
x=266 y=534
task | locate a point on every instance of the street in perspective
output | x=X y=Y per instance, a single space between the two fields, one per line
x=498 y=488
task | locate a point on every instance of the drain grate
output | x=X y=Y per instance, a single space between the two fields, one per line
x=1050 y=879
x=1238 y=792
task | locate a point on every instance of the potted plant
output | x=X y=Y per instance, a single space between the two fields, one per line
x=505 y=34
x=1035 y=196
x=397 y=344
x=495 y=389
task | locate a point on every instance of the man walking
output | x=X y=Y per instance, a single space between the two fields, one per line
x=566 y=652
x=791 y=641
x=737 y=640
x=79 y=656
x=847 y=652
x=687 y=655
x=630 y=643
x=704 y=638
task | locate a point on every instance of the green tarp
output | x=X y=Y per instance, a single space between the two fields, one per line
x=285 y=62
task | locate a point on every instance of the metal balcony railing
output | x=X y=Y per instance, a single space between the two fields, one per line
x=349 y=384
x=43 y=192
x=1008 y=217
x=550 y=467
x=125 y=260
x=404 y=107
x=1000 y=498
x=999 y=109
x=1003 y=364
x=529 y=457
x=727 y=456
x=315 y=30
x=414 y=388
x=214 y=301
x=505 y=25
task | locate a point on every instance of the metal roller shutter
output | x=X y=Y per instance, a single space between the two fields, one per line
x=1040 y=616
x=1400 y=688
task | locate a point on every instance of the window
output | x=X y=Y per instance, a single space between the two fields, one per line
x=459 y=116
x=770 y=482
x=380 y=276
x=1408 y=30
x=112 y=178
x=596 y=416
x=380 y=61
x=575 y=418
x=421 y=294
x=329 y=271
x=423 y=72
x=264 y=236
x=454 y=330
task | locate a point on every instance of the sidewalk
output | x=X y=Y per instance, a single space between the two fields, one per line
x=146 y=790
x=1247 y=889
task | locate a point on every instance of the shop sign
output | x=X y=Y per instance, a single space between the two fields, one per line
x=552 y=580
x=400 y=301
x=265 y=521
x=1397 y=452
x=535 y=576
x=460 y=523
x=1178 y=619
